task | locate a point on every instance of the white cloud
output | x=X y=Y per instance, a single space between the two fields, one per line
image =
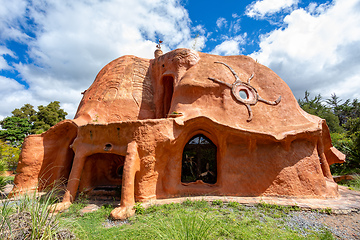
x=12 y=95
x=75 y=39
x=318 y=50
x=230 y=46
x=232 y=26
x=3 y=63
x=262 y=8
x=221 y=22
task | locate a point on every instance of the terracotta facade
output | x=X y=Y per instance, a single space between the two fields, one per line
x=136 y=119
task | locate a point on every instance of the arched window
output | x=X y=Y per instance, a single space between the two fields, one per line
x=199 y=160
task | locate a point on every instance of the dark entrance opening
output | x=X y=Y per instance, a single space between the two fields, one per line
x=199 y=160
x=168 y=83
x=102 y=174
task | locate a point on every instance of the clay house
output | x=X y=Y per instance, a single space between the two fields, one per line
x=184 y=123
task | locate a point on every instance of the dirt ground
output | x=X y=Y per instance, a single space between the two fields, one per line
x=343 y=226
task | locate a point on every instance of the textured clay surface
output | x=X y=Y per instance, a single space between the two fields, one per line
x=135 y=120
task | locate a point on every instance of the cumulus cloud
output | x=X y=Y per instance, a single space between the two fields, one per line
x=263 y=8
x=11 y=13
x=68 y=42
x=230 y=46
x=14 y=95
x=318 y=49
x=3 y=63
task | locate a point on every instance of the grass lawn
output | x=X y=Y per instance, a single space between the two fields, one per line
x=188 y=220
x=191 y=220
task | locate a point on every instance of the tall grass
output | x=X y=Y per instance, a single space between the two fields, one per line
x=182 y=227
x=28 y=217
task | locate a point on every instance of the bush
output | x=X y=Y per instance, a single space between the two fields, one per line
x=3 y=178
x=9 y=155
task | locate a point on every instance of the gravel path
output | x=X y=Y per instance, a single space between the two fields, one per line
x=345 y=226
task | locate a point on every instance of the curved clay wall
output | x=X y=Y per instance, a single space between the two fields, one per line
x=139 y=115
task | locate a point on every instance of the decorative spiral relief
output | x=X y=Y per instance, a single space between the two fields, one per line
x=244 y=92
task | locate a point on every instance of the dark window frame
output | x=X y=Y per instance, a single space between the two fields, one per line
x=199 y=160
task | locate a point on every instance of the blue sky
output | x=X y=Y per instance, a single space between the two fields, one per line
x=52 y=50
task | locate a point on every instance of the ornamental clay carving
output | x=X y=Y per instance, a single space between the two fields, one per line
x=244 y=92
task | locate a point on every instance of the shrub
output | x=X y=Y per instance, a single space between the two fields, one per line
x=3 y=178
x=9 y=155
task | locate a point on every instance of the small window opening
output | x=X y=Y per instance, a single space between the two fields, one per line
x=168 y=84
x=108 y=147
x=199 y=160
x=243 y=94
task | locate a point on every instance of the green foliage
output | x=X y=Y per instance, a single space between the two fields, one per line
x=3 y=178
x=47 y=117
x=234 y=204
x=267 y=207
x=353 y=184
x=184 y=226
x=9 y=155
x=187 y=202
x=218 y=202
x=194 y=220
x=200 y=204
x=26 y=120
x=25 y=112
x=344 y=124
x=139 y=208
x=15 y=130
x=29 y=218
x=316 y=107
x=328 y=210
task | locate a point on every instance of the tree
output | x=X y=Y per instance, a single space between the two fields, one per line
x=344 y=124
x=9 y=155
x=25 y=112
x=27 y=120
x=316 y=107
x=47 y=117
x=353 y=149
x=15 y=130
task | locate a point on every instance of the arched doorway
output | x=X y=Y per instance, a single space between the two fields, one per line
x=102 y=172
x=199 y=160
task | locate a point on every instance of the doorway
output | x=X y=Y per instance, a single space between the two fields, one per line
x=102 y=174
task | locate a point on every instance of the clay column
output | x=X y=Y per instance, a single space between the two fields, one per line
x=74 y=178
x=324 y=164
x=131 y=166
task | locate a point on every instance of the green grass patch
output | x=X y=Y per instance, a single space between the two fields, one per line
x=191 y=220
x=187 y=220
x=353 y=184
